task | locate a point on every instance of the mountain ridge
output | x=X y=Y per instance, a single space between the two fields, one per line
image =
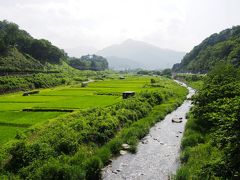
x=148 y=55
x=118 y=63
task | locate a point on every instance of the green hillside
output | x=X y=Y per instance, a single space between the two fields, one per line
x=28 y=63
x=223 y=46
x=20 y=52
x=13 y=61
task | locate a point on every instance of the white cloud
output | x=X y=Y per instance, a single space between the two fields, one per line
x=173 y=24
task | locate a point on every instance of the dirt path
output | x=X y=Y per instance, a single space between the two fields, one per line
x=157 y=154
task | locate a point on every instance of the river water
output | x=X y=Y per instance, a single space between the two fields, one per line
x=157 y=156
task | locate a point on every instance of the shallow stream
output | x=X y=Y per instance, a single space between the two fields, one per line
x=157 y=156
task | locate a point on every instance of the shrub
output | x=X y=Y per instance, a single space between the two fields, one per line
x=24 y=154
x=192 y=140
x=182 y=173
x=115 y=145
x=93 y=168
x=54 y=169
x=153 y=81
x=104 y=154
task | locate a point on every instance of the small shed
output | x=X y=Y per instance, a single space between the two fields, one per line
x=84 y=84
x=30 y=92
x=127 y=94
x=121 y=77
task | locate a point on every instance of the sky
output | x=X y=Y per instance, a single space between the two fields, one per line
x=94 y=24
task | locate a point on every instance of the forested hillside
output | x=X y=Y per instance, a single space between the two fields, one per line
x=211 y=140
x=20 y=52
x=224 y=46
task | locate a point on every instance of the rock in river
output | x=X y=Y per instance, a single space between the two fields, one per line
x=176 y=120
x=125 y=146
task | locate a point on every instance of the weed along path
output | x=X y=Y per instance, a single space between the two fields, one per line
x=157 y=154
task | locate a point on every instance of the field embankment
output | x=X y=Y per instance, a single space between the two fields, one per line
x=77 y=145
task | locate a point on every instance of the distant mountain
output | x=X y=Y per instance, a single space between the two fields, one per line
x=145 y=55
x=223 y=46
x=117 y=63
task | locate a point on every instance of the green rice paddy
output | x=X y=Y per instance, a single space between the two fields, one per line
x=97 y=94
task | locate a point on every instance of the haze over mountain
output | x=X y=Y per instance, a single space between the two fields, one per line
x=80 y=51
x=140 y=55
x=119 y=63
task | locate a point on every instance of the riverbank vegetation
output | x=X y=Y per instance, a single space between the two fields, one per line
x=211 y=142
x=77 y=145
x=193 y=80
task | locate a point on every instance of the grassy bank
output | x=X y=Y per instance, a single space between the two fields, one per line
x=93 y=135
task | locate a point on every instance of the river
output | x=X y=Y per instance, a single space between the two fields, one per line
x=157 y=156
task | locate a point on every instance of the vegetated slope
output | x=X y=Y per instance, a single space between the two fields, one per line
x=211 y=140
x=14 y=61
x=28 y=63
x=149 y=56
x=223 y=46
x=20 y=52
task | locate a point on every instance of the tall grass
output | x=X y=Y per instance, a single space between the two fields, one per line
x=197 y=152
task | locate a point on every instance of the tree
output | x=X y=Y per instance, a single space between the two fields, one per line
x=89 y=62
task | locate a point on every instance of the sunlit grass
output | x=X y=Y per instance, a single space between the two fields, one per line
x=30 y=118
x=8 y=132
x=96 y=94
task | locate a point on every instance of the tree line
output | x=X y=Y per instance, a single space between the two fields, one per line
x=89 y=62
